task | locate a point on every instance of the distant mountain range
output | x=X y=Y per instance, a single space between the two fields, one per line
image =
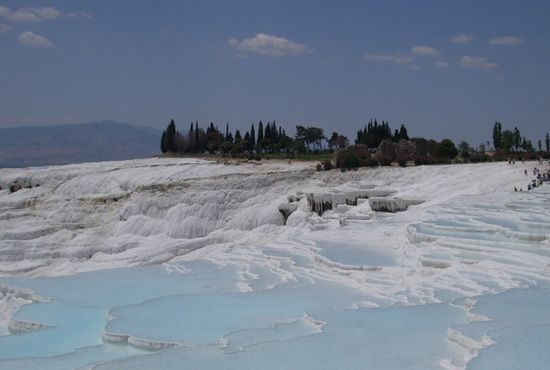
x=76 y=143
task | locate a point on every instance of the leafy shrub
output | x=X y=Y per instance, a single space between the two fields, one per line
x=371 y=163
x=352 y=157
x=327 y=165
x=421 y=160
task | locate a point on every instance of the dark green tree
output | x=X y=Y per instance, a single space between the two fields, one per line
x=260 y=137
x=252 y=137
x=517 y=138
x=403 y=133
x=447 y=149
x=192 y=146
x=163 y=142
x=507 y=140
x=547 y=142
x=373 y=134
x=395 y=137
x=497 y=135
x=464 y=148
x=198 y=146
x=266 y=142
x=171 y=136
x=332 y=140
x=247 y=142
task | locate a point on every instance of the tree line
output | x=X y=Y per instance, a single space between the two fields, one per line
x=373 y=134
x=268 y=138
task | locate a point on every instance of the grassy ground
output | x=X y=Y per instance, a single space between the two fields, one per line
x=315 y=157
x=299 y=157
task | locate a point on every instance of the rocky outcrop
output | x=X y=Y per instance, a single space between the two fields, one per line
x=21 y=326
x=140 y=343
x=392 y=204
x=287 y=208
x=322 y=202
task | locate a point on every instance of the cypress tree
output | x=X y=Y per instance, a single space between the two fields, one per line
x=191 y=137
x=247 y=142
x=267 y=132
x=171 y=136
x=197 y=144
x=163 y=142
x=260 y=135
x=395 y=137
x=497 y=135
x=547 y=142
x=274 y=131
x=252 y=136
x=403 y=133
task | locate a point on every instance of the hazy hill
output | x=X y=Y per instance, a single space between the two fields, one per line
x=75 y=143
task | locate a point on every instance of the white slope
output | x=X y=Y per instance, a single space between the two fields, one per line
x=114 y=214
x=472 y=235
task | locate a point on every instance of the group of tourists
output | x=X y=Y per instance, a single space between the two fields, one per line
x=540 y=178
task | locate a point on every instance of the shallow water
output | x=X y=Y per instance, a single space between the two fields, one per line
x=224 y=329
x=355 y=255
x=312 y=324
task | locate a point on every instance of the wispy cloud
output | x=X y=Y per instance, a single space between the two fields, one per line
x=42 y=14
x=462 y=38
x=389 y=58
x=269 y=45
x=442 y=65
x=34 y=40
x=424 y=51
x=403 y=58
x=4 y=11
x=38 y=14
x=479 y=63
x=4 y=28
x=79 y=15
x=506 y=40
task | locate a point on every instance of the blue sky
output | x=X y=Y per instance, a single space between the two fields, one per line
x=444 y=68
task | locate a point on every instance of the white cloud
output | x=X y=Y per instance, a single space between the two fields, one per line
x=46 y=13
x=4 y=11
x=462 y=38
x=389 y=58
x=442 y=65
x=480 y=63
x=4 y=28
x=269 y=45
x=506 y=40
x=79 y=15
x=424 y=51
x=32 y=39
